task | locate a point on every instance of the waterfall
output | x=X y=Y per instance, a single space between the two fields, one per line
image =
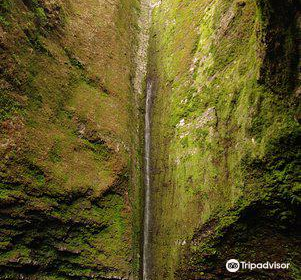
x=141 y=74
x=147 y=202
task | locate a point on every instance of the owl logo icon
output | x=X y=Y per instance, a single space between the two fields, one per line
x=232 y=265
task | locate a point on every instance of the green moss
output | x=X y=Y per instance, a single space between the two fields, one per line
x=5 y=6
x=4 y=21
x=73 y=60
x=41 y=15
x=55 y=151
x=70 y=118
x=34 y=38
x=9 y=107
x=213 y=113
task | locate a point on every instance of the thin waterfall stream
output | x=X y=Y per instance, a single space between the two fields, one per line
x=147 y=199
x=141 y=75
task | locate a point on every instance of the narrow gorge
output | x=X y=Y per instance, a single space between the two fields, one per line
x=149 y=140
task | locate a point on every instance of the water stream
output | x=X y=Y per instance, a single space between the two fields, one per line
x=147 y=199
x=141 y=73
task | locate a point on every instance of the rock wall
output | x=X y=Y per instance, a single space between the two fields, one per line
x=68 y=193
x=226 y=137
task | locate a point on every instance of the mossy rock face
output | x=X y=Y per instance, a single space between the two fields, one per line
x=65 y=134
x=226 y=138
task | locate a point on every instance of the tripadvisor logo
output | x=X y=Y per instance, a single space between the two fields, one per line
x=234 y=265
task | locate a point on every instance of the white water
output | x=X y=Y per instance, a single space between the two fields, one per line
x=147 y=199
x=141 y=72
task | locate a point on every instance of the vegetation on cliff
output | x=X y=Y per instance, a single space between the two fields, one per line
x=226 y=138
x=225 y=154
x=66 y=105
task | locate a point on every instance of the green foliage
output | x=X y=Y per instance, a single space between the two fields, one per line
x=55 y=151
x=8 y=106
x=34 y=38
x=73 y=60
x=5 y=6
x=4 y=21
x=40 y=12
